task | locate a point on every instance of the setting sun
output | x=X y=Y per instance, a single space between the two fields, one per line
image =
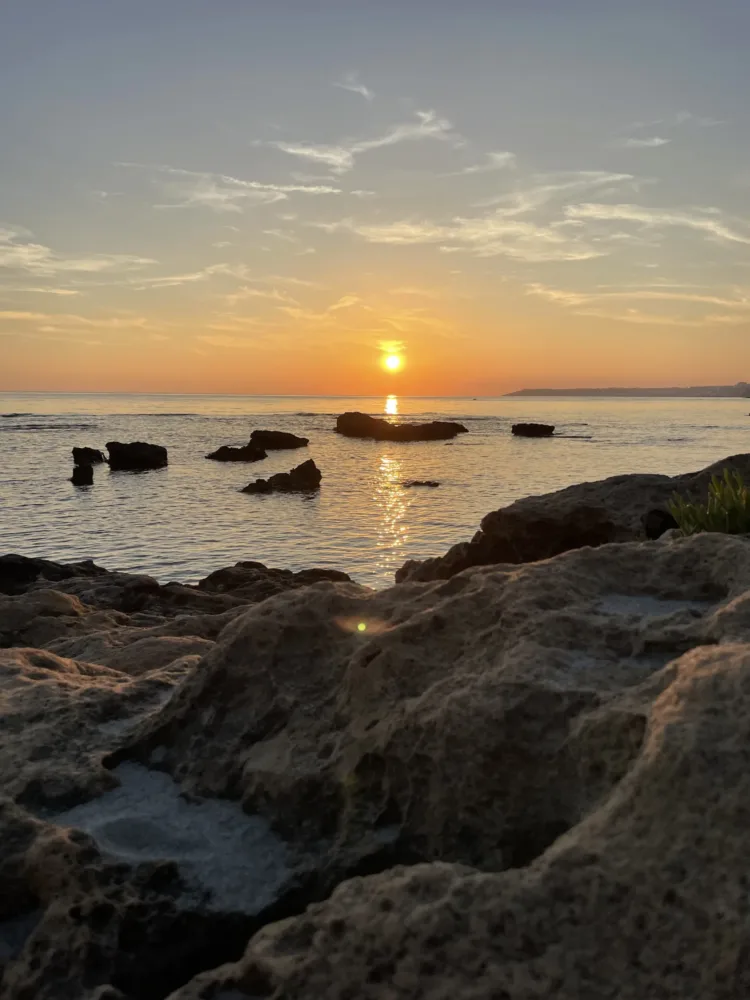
x=392 y=362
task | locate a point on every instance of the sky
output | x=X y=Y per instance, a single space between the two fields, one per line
x=245 y=197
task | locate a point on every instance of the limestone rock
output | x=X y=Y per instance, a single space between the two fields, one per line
x=303 y=478
x=136 y=456
x=538 y=527
x=273 y=440
x=247 y=453
x=533 y=430
x=87 y=456
x=361 y=425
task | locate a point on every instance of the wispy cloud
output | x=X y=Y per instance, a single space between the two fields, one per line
x=491 y=163
x=352 y=83
x=36 y=290
x=341 y=157
x=648 y=142
x=19 y=253
x=706 y=220
x=220 y=192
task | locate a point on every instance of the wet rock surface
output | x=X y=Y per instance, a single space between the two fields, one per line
x=533 y=430
x=274 y=440
x=361 y=425
x=619 y=509
x=83 y=475
x=136 y=456
x=247 y=453
x=523 y=781
x=87 y=456
x=303 y=478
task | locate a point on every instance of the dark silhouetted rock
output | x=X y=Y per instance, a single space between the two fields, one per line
x=87 y=456
x=253 y=581
x=301 y=479
x=83 y=475
x=533 y=430
x=247 y=453
x=19 y=573
x=656 y=522
x=136 y=455
x=420 y=482
x=538 y=527
x=361 y=425
x=277 y=440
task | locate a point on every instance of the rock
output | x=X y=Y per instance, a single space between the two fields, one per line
x=410 y=483
x=302 y=479
x=136 y=455
x=361 y=425
x=83 y=475
x=87 y=456
x=273 y=440
x=19 y=573
x=543 y=770
x=252 y=581
x=657 y=522
x=533 y=430
x=247 y=453
x=609 y=510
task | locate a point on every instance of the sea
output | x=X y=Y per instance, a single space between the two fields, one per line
x=184 y=521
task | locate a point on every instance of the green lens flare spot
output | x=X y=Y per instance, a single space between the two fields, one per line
x=362 y=627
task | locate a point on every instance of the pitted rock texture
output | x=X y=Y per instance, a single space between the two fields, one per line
x=619 y=509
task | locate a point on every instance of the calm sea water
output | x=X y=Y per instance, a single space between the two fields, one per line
x=182 y=522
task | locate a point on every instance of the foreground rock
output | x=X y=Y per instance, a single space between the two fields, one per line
x=361 y=425
x=619 y=509
x=554 y=757
x=533 y=430
x=136 y=456
x=247 y=453
x=274 y=440
x=87 y=456
x=83 y=475
x=302 y=479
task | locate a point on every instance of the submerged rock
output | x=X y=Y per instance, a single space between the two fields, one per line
x=247 y=453
x=302 y=479
x=87 y=456
x=136 y=455
x=83 y=475
x=361 y=425
x=410 y=483
x=274 y=440
x=533 y=430
x=610 y=510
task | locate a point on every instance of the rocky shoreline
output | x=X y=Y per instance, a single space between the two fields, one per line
x=521 y=772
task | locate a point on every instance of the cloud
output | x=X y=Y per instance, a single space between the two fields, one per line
x=40 y=260
x=220 y=192
x=706 y=220
x=492 y=162
x=240 y=271
x=270 y=294
x=352 y=83
x=633 y=142
x=606 y=305
x=549 y=187
x=37 y=290
x=675 y=121
x=340 y=158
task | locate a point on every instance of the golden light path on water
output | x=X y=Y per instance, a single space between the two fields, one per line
x=391 y=406
x=391 y=504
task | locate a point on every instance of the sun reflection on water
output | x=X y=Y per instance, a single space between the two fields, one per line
x=391 y=406
x=391 y=503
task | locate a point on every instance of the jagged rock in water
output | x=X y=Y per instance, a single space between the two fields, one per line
x=87 y=456
x=361 y=425
x=247 y=453
x=302 y=479
x=533 y=430
x=136 y=455
x=410 y=483
x=275 y=440
x=83 y=475
x=538 y=527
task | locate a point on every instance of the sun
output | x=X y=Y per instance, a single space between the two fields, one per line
x=392 y=362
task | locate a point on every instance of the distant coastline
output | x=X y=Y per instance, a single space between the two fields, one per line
x=741 y=390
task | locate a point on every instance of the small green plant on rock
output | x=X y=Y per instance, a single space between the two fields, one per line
x=727 y=508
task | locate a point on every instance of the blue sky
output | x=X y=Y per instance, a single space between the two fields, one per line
x=266 y=197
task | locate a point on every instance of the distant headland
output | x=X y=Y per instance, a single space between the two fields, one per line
x=741 y=390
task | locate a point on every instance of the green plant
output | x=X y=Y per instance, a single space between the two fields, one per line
x=726 y=509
